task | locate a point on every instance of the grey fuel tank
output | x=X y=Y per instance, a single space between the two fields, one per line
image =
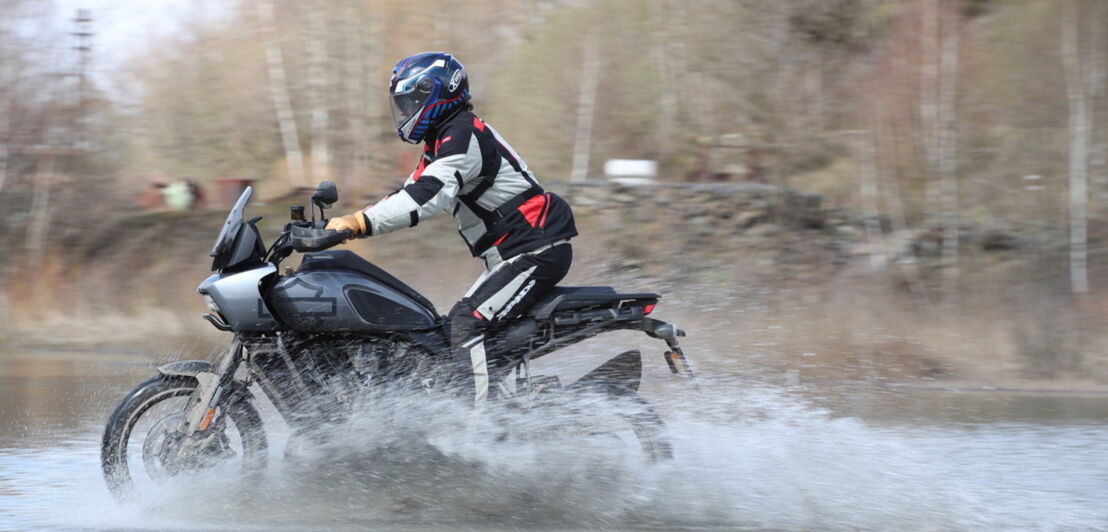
x=339 y=291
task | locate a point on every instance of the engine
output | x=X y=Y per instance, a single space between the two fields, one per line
x=320 y=378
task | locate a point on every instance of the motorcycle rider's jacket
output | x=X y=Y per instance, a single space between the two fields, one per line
x=469 y=170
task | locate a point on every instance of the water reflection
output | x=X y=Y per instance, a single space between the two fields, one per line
x=49 y=393
x=908 y=405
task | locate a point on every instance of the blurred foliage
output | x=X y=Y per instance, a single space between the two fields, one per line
x=787 y=78
x=759 y=89
x=781 y=92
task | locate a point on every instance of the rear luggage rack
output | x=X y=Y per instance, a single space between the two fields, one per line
x=623 y=312
x=595 y=302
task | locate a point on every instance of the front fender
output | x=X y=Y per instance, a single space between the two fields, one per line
x=186 y=368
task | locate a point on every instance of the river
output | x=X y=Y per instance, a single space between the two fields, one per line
x=749 y=456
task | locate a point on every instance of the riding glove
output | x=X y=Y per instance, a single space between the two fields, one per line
x=355 y=223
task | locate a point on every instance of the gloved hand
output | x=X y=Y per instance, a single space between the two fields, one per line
x=355 y=223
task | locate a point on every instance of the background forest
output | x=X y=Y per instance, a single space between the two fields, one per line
x=946 y=130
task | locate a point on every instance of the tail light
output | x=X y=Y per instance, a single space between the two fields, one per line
x=648 y=309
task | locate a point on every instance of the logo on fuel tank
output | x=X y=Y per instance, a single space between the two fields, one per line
x=313 y=306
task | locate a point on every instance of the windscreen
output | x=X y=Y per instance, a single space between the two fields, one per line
x=232 y=225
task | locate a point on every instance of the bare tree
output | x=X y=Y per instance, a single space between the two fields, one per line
x=948 y=143
x=5 y=120
x=320 y=84
x=278 y=88
x=586 y=101
x=663 y=59
x=354 y=72
x=1084 y=77
x=868 y=171
x=940 y=50
x=929 y=101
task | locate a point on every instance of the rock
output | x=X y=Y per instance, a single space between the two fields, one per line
x=702 y=221
x=999 y=241
x=763 y=231
x=747 y=219
x=625 y=264
x=847 y=232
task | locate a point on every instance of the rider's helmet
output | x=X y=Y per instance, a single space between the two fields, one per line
x=425 y=90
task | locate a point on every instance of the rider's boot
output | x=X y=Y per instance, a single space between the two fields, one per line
x=471 y=372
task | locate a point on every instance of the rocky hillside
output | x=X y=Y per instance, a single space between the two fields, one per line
x=780 y=268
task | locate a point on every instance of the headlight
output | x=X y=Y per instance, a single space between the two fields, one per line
x=211 y=304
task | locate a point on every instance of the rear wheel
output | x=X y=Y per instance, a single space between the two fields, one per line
x=143 y=446
x=615 y=418
x=648 y=427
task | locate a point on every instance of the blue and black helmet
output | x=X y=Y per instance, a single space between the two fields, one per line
x=426 y=89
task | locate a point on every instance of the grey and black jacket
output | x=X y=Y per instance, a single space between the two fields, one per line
x=469 y=170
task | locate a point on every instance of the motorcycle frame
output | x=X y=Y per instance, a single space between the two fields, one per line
x=215 y=380
x=218 y=381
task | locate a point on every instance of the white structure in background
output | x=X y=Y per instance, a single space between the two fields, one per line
x=631 y=171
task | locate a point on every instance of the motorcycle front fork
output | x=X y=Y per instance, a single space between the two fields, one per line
x=203 y=406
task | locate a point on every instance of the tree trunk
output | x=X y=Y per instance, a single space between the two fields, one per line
x=948 y=162
x=5 y=135
x=38 y=231
x=586 y=102
x=7 y=78
x=898 y=218
x=667 y=83
x=320 y=80
x=868 y=172
x=813 y=91
x=354 y=81
x=375 y=78
x=278 y=89
x=929 y=105
x=1079 y=80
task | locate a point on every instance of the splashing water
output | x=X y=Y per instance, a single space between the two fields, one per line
x=747 y=457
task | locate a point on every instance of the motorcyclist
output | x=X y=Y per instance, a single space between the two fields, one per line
x=519 y=230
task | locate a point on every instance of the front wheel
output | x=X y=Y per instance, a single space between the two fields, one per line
x=143 y=445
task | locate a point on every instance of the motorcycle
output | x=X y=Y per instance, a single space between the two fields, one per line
x=338 y=329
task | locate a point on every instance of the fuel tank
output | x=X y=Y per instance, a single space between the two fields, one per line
x=336 y=291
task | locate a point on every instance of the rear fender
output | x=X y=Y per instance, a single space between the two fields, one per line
x=620 y=374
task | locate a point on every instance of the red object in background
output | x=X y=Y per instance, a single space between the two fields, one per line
x=406 y=159
x=230 y=189
x=199 y=197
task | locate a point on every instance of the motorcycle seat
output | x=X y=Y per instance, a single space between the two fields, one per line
x=563 y=298
x=342 y=259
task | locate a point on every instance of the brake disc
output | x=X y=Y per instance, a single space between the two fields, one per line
x=161 y=451
x=168 y=452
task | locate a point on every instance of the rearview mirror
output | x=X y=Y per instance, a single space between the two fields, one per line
x=325 y=194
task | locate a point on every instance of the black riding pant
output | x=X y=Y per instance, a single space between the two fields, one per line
x=504 y=292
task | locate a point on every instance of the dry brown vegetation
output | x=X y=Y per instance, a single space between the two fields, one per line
x=965 y=138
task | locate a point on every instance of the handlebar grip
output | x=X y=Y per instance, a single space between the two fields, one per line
x=336 y=238
x=316 y=239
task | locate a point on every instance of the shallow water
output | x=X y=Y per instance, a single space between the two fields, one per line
x=749 y=456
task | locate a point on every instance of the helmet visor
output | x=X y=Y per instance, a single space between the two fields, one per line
x=407 y=104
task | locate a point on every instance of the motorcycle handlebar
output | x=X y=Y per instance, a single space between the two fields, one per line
x=316 y=238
